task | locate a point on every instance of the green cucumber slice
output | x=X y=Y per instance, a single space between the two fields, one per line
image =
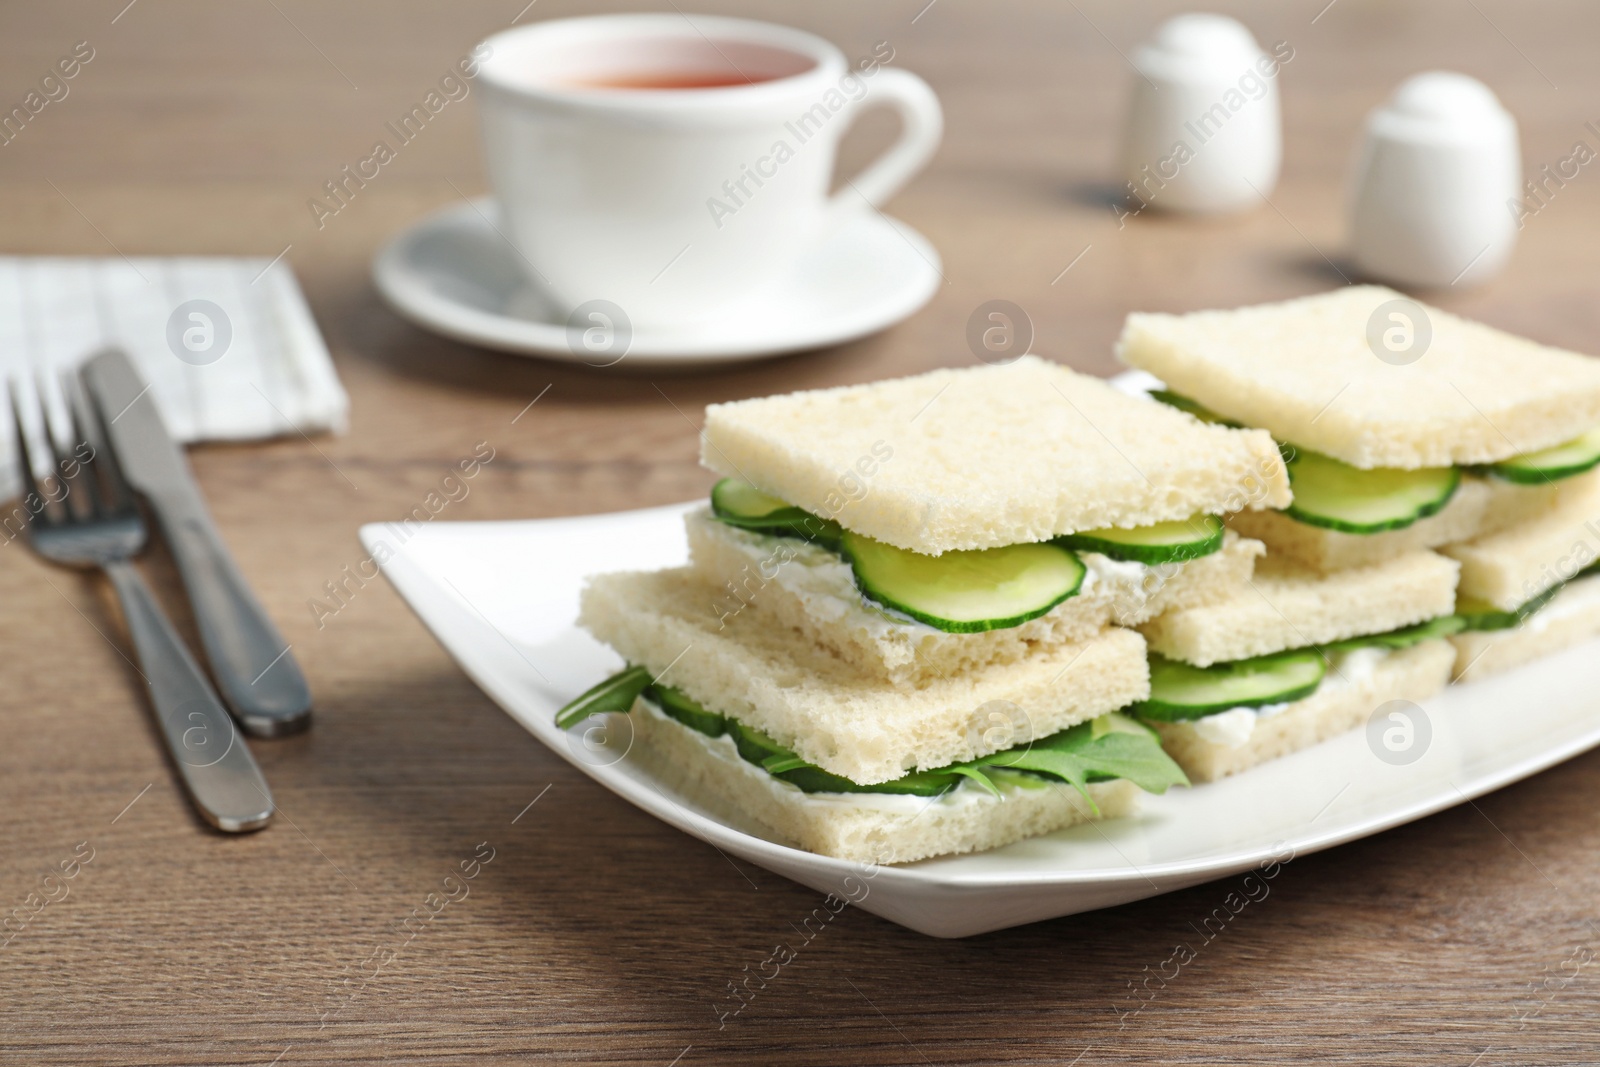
x=675 y=704
x=1337 y=496
x=1549 y=464
x=1478 y=615
x=753 y=745
x=965 y=591
x=738 y=503
x=1162 y=542
x=1198 y=410
x=1405 y=637
x=1180 y=691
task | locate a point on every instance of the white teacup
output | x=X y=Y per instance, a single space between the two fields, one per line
x=675 y=165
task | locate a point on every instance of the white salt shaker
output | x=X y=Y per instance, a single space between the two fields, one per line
x=1203 y=130
x=1433 y=182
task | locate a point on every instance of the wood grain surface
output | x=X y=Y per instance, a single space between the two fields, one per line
x=596 y=934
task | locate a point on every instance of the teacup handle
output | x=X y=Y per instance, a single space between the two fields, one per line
x=923 y=122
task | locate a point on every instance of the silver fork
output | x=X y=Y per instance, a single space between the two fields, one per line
x=95 y=523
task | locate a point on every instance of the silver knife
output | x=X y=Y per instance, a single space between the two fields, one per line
x=258 y=676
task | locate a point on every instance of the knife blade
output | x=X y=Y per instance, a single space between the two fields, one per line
x=256 y=672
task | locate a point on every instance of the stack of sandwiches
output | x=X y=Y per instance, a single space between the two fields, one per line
x=1444 y=497
x=898 y=635
x=948 y=612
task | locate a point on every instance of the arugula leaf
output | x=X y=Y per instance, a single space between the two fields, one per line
x=1140 y=760
x=1112 y=746
x=1066 y=766
x=616 y=693
x=780 y=764
x=975 y=775
x=1077 y=756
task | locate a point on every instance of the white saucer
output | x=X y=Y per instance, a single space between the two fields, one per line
x=455 y=274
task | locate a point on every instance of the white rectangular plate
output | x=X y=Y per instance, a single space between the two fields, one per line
x=502 y=598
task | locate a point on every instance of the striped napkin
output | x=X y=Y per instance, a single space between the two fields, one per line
x=227 y=344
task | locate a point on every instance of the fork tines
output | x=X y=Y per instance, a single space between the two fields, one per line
x=81 y=464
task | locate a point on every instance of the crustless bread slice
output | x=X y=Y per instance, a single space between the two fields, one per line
x=1305 y=371
x=864 y=827
x=1510 y=568
x=989 y=456
x=1289 y=606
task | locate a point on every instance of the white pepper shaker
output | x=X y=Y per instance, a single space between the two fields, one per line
x=1203 y=131
x=1433 y=181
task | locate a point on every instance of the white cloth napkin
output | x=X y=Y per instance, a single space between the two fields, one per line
x=274 y=377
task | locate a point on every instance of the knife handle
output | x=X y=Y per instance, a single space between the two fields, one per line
x=254 y=668
x=216 y=766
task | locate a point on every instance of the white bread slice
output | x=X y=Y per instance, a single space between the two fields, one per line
x=1509 y=568
x=864 y=827
x=1303 y=370
x=1480 y=506
x=1572 y=616
x=811 y=589
x=989 y=456
x=1416 y=673
x=1287 y=605
x=774 y=679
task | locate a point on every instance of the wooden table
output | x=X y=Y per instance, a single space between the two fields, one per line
x=596 y=934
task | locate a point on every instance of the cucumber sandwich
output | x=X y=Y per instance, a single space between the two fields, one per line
x=1530 y=590
x=925 y=525
x=1404 y=426
x=894 y=635
x=778 y=733
x=1297 y=657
